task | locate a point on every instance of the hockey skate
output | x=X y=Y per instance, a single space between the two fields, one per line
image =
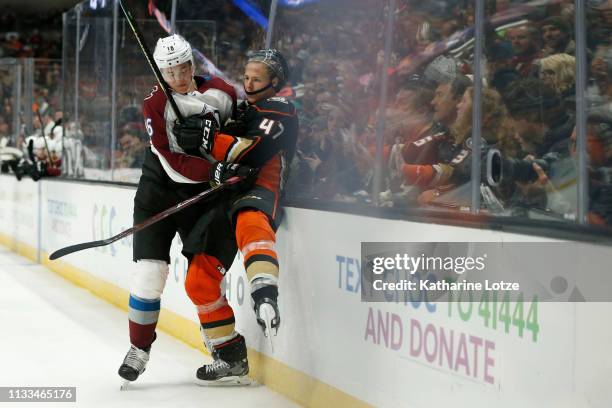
x=230 y=366
x=134 y=364
x=265 y=297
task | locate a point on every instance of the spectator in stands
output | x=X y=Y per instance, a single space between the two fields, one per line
x=437 y=142
x=559 y=71
x=500 y=66
x=454 y=165
x=600 y=89
x=34 y=34
x=599 y=138
x=441 y=70
x=446 y=98
x=132 y=147
x=599 y=156
x=525 y=41
x=12 y=45
x=599 y=23
x=557 y=36
x=540 y=119
x=411 y=114
x=599 y=150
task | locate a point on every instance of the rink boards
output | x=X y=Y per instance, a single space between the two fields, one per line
x=333 y=349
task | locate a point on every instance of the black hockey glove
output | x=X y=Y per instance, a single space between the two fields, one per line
x=35 y=170
x=242 y=110
x=222 y=171
x=197 y=131
x=235 y=128
x=238 y=126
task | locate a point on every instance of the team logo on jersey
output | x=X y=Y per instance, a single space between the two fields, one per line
x=155 y=88
x=280 y=99
x=463 y=154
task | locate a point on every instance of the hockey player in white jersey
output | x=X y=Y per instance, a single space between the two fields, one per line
x=171 y=173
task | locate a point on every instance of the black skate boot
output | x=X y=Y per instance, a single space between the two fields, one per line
x=265 y=303
x=135 y=362
x=230 y=365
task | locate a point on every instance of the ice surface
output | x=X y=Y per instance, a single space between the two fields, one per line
x=53 y=333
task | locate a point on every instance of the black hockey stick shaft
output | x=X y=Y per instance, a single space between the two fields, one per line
x=42 y=132
x=148 y=222
x=160 y=80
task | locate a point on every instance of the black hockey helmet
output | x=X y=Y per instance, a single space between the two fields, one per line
x=275 y=61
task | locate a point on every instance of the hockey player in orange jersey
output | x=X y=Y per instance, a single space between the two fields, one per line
x=263 y=136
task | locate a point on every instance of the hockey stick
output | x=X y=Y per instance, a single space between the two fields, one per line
x=164 y=214
x=42 y=132
x=160 y=80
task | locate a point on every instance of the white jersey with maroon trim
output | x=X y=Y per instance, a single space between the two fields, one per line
x=211 y=94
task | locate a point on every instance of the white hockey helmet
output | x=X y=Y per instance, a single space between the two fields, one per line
x=172 y=51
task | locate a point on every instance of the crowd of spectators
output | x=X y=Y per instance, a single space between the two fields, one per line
x=336 y=56
x=335 y=52
x=528 y=104
x=217 y=29
x=33 y=35
x=47 y=91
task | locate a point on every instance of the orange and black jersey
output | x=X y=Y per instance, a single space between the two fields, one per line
x=271 y=128
x=268 y=143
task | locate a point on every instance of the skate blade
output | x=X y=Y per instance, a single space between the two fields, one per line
x=125 y=385
x=268 y=335
x=233 y=381
x=267 y=314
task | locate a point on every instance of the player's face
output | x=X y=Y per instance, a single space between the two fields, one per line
x=256 y=77
x=179 y=78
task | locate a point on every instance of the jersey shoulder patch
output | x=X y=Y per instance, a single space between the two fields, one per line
x=156 y=100
x=155 y=91
x=278 y=104
x=279 y=99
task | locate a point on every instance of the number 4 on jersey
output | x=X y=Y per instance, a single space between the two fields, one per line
x=266 y=125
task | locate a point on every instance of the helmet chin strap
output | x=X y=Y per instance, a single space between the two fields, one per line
x=265 y=88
